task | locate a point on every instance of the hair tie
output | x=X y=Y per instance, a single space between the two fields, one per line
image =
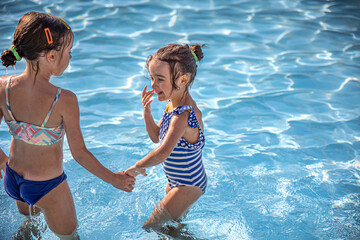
x=13 y=50
x=195 y=57
x=66 y=25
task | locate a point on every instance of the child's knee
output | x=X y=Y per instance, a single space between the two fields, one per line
x=159 y=217
x=72 y=236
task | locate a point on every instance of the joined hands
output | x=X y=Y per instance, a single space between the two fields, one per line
x=124 y=181
x=134 y=171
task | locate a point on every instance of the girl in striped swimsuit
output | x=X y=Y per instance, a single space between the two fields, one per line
x=180 y=131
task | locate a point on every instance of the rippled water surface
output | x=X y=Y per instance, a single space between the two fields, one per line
x=279 y=89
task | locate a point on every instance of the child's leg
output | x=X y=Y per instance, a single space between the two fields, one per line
x=173 y=206
x=179 y=199
x=59 y=211
x=24 y=208
x=30 y=227
x=167 y=187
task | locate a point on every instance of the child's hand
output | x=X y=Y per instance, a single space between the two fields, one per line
x=3 y=164
x=2 y=167
x=134 y=171
x=146 y=100
x=124 y=181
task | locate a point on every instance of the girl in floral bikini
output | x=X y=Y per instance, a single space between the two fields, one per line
x=180 y=131
x=38 y=115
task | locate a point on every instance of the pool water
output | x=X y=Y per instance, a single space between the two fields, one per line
x=279 y=90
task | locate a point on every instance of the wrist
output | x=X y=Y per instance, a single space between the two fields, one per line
x=3 y=158
x=110 y=178
x=139 y=166
x=147 y=113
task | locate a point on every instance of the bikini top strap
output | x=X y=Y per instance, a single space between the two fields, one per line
x=7 y=98
x=52 y=106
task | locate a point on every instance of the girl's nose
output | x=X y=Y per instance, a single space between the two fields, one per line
x=152 y=84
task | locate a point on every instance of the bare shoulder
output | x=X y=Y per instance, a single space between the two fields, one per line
x=68 y=100
x=68 y=96
x=198 y=112
x=3 y=82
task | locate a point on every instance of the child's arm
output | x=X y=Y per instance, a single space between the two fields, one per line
x=79 y=151
x=151 y=127
x=3 y=157
x=177 y=127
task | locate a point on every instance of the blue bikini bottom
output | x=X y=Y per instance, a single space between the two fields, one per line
x=26 y=190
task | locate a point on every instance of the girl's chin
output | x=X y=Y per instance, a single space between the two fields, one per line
x=161 y=97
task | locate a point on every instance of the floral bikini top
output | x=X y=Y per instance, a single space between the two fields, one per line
x=33 y=134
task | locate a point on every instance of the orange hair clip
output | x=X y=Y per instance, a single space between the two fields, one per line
x=48 y=35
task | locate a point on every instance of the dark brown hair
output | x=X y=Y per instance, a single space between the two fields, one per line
x=30 y=39
x=180 y=59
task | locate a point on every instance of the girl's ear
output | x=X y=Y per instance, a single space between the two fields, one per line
x=184 y=79
x=50 y=56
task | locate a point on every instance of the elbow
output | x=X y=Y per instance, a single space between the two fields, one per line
x=154 y=136
x=79 y=153
x=162 y=154
x=155 y=140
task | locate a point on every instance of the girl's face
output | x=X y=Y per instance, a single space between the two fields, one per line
x=63 y=61
x=160 y=79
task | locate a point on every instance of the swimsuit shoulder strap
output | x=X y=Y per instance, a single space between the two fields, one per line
x=182 y=109
x=7 y=98
x=52 y=106
x=192 y=121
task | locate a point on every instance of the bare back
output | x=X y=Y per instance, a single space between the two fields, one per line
x=30 y=103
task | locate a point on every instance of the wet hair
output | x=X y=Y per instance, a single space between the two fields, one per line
x=180 y=60
x=30 y=39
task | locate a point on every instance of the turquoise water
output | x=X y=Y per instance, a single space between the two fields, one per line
x=279 y=89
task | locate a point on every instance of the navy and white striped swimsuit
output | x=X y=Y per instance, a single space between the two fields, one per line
x=184 y=166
